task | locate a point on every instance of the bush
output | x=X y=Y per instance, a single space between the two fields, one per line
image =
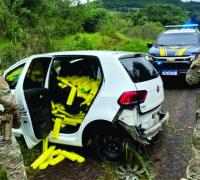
x=136 y=45
x=147 y=31
x=9 y=53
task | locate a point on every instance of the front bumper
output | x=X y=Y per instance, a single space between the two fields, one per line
x=145 y=135
x=180 y=67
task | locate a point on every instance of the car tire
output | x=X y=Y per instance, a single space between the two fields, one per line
x=109 y=146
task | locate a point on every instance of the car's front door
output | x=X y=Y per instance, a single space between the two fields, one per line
x=33 y=98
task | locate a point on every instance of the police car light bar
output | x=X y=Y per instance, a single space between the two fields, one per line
x=183 y=26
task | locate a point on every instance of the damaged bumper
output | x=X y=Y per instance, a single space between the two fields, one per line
x=149 y=133
x=145 y=135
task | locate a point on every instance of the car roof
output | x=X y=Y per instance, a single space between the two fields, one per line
x=98 y=53
x=185 y=30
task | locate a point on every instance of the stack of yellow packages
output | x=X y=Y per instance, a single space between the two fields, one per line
x=51 y=156
x=83 y=87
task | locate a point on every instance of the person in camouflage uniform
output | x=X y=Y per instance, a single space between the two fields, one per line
x=193 y=169
x=11 y=159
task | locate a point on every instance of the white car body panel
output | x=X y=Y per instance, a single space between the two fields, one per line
x=104 y=107
x=155 y=95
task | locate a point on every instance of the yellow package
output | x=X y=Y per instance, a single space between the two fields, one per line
x=71 y=97
x=45 y=144
x=56 y=160
x=56 y=129
x=43 y=157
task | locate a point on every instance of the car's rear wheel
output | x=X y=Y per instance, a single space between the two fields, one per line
x=109 y=146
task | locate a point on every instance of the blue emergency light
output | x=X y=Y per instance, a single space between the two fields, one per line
x=187 y=25
x=159 y=62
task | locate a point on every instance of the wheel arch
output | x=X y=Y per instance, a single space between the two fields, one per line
x=94 y=127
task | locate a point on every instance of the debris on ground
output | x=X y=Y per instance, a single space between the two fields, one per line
x=129 y=172
x=52 y=156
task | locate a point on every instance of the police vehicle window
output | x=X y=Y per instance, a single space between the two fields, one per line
x=36 y=74
x=175 y=39
x=139 y=69
x=13 y=76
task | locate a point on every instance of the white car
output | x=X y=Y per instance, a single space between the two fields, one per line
x=128 y=103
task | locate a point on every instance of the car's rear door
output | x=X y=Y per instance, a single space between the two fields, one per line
x=33 y=98
x=146 y=78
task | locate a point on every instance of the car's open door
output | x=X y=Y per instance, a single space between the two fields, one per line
x=33 y=98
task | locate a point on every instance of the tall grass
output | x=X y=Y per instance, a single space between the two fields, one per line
x=137 y=164
x=98 y=41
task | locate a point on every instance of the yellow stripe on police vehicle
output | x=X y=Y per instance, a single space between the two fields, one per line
x=163 y=51
x=181 y=51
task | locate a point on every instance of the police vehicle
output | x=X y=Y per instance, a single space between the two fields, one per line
x=175 y=49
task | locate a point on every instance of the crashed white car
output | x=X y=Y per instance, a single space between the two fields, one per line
x=128 y=103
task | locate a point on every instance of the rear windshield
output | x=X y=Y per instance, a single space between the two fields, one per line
x=139 y=69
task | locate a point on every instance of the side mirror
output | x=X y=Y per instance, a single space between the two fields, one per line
x=149 y=45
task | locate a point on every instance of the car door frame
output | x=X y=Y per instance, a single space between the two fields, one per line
x=26 y=122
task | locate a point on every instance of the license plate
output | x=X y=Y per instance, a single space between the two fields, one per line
x=169 y=73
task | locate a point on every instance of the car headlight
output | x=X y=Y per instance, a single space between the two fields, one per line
x=193 y=57
x=149 y=58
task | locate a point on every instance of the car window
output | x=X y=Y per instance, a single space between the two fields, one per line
x=174 y=39
x=77 y=65
x=12 y=77
x=36 y=74
x=139 y=69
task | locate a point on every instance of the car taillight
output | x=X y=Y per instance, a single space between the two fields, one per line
x=132 y=98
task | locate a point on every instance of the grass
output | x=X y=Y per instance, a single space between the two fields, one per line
x=3 y=174
x=109 y=172
x=97 y=41
x=29 y=156
x=186 y=145
x=137 y=163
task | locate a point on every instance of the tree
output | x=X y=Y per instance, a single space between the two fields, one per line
x=163 y=13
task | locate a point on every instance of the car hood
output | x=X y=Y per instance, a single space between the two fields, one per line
x=174 y=50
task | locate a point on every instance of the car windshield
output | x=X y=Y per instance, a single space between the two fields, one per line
x=178 y=39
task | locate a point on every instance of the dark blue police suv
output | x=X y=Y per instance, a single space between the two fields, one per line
x=175 y=49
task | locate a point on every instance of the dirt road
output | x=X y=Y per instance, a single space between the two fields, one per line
x=170 y=154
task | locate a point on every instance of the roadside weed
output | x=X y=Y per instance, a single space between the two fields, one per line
x=137 y=166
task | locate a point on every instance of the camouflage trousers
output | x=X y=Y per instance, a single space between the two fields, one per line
x=193 y=169
x=11 y=160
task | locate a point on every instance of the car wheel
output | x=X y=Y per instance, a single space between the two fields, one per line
x=109 y=147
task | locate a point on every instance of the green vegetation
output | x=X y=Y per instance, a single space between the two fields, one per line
x=3 y=175
x=109 y=172
x=29 y=156
x=137 y=165
x=28 y=27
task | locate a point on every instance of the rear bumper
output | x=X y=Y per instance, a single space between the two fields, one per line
x=145 y=135
x=149 y=133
